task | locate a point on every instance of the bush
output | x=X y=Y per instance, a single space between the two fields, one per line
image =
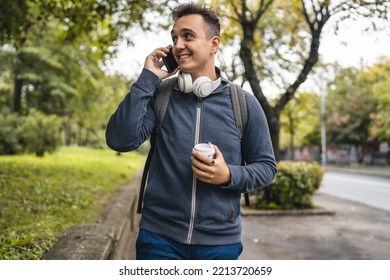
x=96 y=140
x=41 y=133
x=37 y=133
x=9 y=134
x=293 y=187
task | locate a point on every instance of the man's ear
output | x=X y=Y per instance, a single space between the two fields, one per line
x=215 y=43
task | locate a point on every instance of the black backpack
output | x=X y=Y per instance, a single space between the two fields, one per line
x=160 y=107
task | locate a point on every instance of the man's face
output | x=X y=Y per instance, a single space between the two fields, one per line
x=192 y=48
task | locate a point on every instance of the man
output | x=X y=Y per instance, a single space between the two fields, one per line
x=192 y=202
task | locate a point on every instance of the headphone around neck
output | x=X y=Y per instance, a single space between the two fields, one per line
x=202 y=86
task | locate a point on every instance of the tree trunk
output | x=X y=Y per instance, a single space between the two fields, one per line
x=68 y=133
x=292 y=134
x=274 y=129
x=272 y=114
x=17 y=100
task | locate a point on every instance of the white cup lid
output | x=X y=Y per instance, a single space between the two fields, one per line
x=204 y=149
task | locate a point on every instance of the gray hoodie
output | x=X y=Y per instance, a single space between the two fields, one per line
x=176 y=205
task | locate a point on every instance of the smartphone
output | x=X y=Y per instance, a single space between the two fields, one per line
x=170 y=61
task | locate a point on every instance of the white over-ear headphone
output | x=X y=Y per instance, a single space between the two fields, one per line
x=202 y=86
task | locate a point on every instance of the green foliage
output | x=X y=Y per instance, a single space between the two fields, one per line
x=5 y=80
x=300 y=121
x=279 y=44
x=380 y=128
x=102 y=21
x=58 y=44
x=37 y=133
x=381 y=119
x=40 y=198
x=349 y=124
x=44 y=68
x=58 y=48
x=293 y=187
x=13 y=15
x=63 y=80
x=9 y=134
x=366 y=118
x=40 y=133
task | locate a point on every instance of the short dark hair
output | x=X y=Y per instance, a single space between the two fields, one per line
x=209 y=16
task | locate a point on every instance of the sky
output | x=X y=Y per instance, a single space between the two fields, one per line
x=350 y=47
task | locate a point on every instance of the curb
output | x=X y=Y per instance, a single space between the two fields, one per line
x=84 y=242
x=106 y=240
x=293 y=212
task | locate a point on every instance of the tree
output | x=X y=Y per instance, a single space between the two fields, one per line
x=380 y=128
x=350 y=104
x=67 y=81
x=21 y=17
x=40 y=133
x=359 y=105
x=98 y=22
x=279 y=43
x=300 y=122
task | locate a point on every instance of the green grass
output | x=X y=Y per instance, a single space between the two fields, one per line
x=40 y=198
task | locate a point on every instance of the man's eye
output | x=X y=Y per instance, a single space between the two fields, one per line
x=188 y=36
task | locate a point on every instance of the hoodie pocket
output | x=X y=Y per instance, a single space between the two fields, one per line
x=217 y=210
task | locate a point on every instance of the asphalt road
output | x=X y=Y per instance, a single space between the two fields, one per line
x=373 y=191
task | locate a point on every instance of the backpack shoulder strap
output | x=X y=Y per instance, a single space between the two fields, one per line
x=239 y=107
x=162 y=100
x=240 y=116
x=160 y=107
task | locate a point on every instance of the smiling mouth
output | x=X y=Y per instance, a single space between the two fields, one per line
x=184 y=56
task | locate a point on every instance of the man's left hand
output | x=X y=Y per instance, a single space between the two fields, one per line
x=211 y=170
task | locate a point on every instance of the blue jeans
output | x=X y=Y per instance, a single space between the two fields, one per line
x=151 y=246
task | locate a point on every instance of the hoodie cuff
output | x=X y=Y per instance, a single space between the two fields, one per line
x=235 y=175
x=148 y=81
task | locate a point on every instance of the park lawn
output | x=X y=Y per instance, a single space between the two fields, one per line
x=40 y=198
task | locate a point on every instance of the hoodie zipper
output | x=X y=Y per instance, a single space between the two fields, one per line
x=193 y=196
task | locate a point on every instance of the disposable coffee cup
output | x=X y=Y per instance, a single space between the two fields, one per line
x=204 y=149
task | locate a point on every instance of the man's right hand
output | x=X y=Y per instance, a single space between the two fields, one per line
x=154 y=62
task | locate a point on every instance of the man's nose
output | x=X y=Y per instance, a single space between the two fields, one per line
x=180 y=44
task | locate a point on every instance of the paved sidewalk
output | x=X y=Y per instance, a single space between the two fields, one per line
x=356 y=231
